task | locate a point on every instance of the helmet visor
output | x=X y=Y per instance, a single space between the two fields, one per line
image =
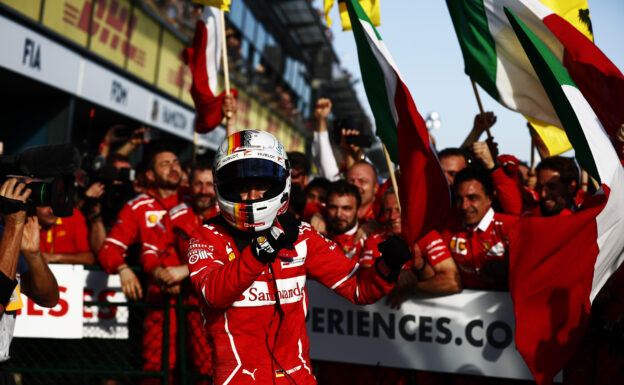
x=231 y=176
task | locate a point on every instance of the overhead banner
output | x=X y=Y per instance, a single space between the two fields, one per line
x=471 y=333
x=62 y=321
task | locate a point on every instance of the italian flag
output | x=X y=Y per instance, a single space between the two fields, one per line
x=559 y=264
x=494 y=58
x=424 y=193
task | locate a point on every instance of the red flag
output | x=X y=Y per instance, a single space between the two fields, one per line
x=598 y=79
x=203 y=58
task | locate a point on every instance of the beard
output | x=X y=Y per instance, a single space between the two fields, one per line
x=204 y=202
x=552 y=210
x=339 y=226
x=168 y=183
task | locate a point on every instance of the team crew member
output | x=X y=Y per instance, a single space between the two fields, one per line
x=170 y=276
x=141 y=216
x=431 y=270
x=477 y=236
x=557 y=184
x=343 y=202
x=364 y=176
x=250 y=264
x=64 y=240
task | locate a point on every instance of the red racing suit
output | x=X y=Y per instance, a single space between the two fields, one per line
x=138 y=218
x=255 y=312
x=170 y=250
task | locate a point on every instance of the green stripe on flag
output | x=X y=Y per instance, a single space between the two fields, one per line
x=476 y=42
x=553 y=76
x=373 y=79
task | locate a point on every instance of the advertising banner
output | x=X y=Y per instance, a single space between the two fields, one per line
x=471 y=332
x=62 y=321
x=110 y=30
x=170 y=68
x=35 y=56
x=27 y=8
x=70 y=18
x=104 y=321
x=143 y=47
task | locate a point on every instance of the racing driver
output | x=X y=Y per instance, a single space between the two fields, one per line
x=250 y=264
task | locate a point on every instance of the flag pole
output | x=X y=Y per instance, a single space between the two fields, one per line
x=195 y=137
x=476 y=92
x=392 y=176
x=532 y=153
x=226 y=71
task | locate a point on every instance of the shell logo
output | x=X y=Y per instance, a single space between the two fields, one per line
x=231 y=257
x=152 y=218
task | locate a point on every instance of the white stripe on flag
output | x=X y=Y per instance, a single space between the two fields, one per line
x=378 y=47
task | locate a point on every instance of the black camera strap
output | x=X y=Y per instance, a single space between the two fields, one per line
x=10 y=206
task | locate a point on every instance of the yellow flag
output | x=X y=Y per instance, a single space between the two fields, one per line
x=221 y=4
x=371 y=7
x=554 y=137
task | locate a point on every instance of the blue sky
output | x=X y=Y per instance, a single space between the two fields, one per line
x=420 y=36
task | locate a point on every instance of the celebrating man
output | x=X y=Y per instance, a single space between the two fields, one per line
x=250 y=264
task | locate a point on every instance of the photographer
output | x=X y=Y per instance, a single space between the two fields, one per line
x=111 y=188
x=28 y=270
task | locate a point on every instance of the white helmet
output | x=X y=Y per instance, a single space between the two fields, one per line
x=251 y=154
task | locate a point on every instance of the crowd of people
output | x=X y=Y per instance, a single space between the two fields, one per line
x=209 y=243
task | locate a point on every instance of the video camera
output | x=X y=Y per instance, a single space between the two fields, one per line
x=118 y=185
x=53 y=167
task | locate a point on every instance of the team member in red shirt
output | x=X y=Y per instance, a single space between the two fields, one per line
x=169 y=276
x=557 y=184
x=64 y=240
x=343 y=202
x=477 y=236
x=250 y=264
x=140 y=217
x=364 y=176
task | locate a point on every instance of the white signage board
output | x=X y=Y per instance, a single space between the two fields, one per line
x=170 y=117
x=62 y=321
x=471 y=332
x=33 y=55
x=104 y=321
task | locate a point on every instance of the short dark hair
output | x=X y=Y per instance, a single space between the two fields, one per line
x=478 y=174
x=566 y=168
x=319 y=182
x=200 y=165
x=452 y=151
x=341 y=188
x=157 y=148
x=299 y=161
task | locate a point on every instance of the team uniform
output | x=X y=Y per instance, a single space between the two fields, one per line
x=139 y=218
x=170 y=250
x=349 y=244
x=255 y=312
x=67 y=235
x=473 y=248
